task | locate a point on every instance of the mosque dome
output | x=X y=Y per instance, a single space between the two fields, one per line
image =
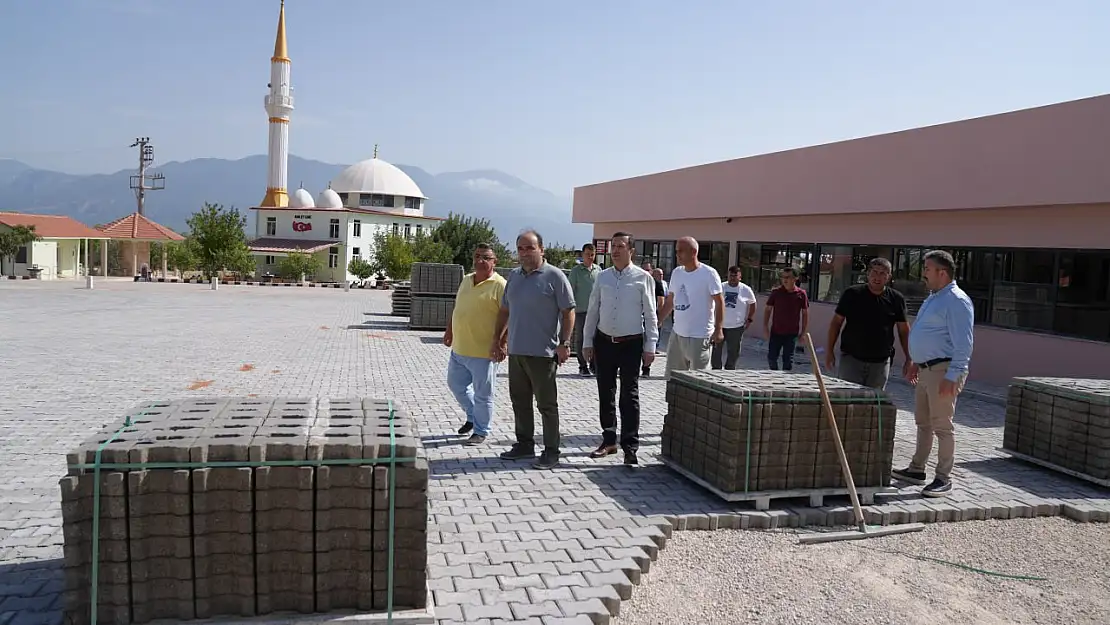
x=329 y=199
x=375 y=176
x=301 y=198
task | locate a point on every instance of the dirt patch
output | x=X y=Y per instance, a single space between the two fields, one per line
x=247 y=367
x=199 y=384
x=324 y=328
x=275 y=371
x=384 y=337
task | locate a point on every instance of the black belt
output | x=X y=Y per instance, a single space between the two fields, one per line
x=932 y=363
x=620 y=339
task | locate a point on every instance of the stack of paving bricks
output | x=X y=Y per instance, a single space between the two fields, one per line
x=434 y=286
x=192 y=542
x=401 y=300
x=758 y=431
x=1062 y=422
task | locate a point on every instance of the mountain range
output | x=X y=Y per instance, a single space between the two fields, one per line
x=510 y=204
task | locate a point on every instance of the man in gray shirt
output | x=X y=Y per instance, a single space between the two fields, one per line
x=621 y=332
x=538 y=308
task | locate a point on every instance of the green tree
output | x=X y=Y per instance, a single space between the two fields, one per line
x=12 y=240
x=462 y=235
x=181 y=256
x=393 y=255
x=425 y=249
x=220 y=243
x=298 y=264
x=560 y=256
x=360 y=268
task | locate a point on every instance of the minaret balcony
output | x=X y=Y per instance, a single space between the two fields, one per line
x=279 y=102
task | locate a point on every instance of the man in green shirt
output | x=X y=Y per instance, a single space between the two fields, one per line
x=582 y=278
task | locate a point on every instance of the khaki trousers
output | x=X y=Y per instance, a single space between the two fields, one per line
x=933 y=415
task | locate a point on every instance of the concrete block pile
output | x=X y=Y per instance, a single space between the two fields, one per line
x=213 y=516
x=401 y=300
x=1061 y=421
x=434 y=286
x=758 y=431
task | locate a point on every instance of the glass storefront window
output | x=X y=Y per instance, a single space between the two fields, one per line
x=1083 y=295
x=1024 y=289
x=714 y=254
x=773 y=258
x=658 y=253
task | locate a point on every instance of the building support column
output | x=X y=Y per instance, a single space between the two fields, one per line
x=134 y=259
x=165 y=250
x=104 y=257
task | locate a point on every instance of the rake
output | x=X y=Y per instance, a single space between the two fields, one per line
x=863 y=529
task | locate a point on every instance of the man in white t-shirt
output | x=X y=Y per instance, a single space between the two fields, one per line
x=699 y=308
x=739 y=313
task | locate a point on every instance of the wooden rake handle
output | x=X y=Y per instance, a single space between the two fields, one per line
x=836 y=432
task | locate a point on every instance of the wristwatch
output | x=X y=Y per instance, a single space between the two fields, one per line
x=565 y=344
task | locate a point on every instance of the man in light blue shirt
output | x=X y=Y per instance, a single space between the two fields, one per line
x=941 y=341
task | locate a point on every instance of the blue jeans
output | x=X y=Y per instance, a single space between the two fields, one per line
x=472 y=381
x=781 y=344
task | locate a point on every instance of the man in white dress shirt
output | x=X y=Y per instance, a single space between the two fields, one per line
x=621 y=332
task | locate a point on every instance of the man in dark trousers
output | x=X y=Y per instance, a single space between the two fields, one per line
x=785 y=318
x=538 y=309
x=872 y=312
x=621 y=332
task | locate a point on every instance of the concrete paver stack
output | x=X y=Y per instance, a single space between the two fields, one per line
x=434 y=286
x=1062 y=423
x=401 y=299
x=742 y=432
x=249 y=506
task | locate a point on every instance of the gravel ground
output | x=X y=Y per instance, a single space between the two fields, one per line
x=729 y=576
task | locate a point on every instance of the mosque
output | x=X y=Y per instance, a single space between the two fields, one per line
x=337 y=225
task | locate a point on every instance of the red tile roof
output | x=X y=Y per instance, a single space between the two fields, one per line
x=139 y=228
x=51 y=226
x=285 y=246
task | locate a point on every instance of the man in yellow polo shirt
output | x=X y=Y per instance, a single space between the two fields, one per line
x=471 y=373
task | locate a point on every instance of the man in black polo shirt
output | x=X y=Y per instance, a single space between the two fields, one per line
x=872 y=311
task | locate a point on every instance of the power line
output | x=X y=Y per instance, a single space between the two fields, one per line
x=139 y=183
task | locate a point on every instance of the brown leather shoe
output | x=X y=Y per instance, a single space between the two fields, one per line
x=603 y=450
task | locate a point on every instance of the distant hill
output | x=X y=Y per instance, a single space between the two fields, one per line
x=508 y=202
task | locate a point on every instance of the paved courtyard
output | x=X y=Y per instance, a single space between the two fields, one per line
x=509 y=544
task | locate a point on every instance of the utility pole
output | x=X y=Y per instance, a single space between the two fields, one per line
x=139 y=182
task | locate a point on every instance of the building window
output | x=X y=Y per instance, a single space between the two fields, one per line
x=21 y=255
x=396 y=228
x=343 y=198
x=356 y=228
x=419 y=229
x=356 y=252
x=843 y=266
x=408 y=230
x=412 y=202
x=271 y=226
x=1083 y=295
x=376 y=200
x=269 y=260
x=333 y=257
x=658 y=253
x=333 y=229
x=1024 y=289
x=775 y=257
x=714 y=254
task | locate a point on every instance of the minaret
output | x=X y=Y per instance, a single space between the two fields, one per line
x=279 y=104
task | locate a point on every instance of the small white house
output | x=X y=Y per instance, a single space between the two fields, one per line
x=60 y=252
x=340 y=223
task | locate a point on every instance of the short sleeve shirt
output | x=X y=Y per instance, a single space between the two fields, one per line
x=787 y=309
x=474 y=318
x=536 y=301
x=868 y=333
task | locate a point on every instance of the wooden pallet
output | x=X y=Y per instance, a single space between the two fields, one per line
x=763 y=499
x=1055 y=467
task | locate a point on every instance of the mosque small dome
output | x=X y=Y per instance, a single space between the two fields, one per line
x=301 y=198
x=329 y=199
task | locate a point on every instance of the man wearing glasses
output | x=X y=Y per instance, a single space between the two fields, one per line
x=785 y=318
x=872 y=311
x=471 y=371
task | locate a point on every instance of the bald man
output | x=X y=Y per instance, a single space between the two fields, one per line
x=695 y=297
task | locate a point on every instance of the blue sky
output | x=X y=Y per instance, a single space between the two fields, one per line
x=558 y=93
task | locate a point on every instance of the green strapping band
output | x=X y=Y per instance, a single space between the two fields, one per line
x=97 y=465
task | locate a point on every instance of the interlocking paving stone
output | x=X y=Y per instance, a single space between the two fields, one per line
x=500 y=533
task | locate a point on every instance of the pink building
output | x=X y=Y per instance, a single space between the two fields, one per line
x=1021 y=200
